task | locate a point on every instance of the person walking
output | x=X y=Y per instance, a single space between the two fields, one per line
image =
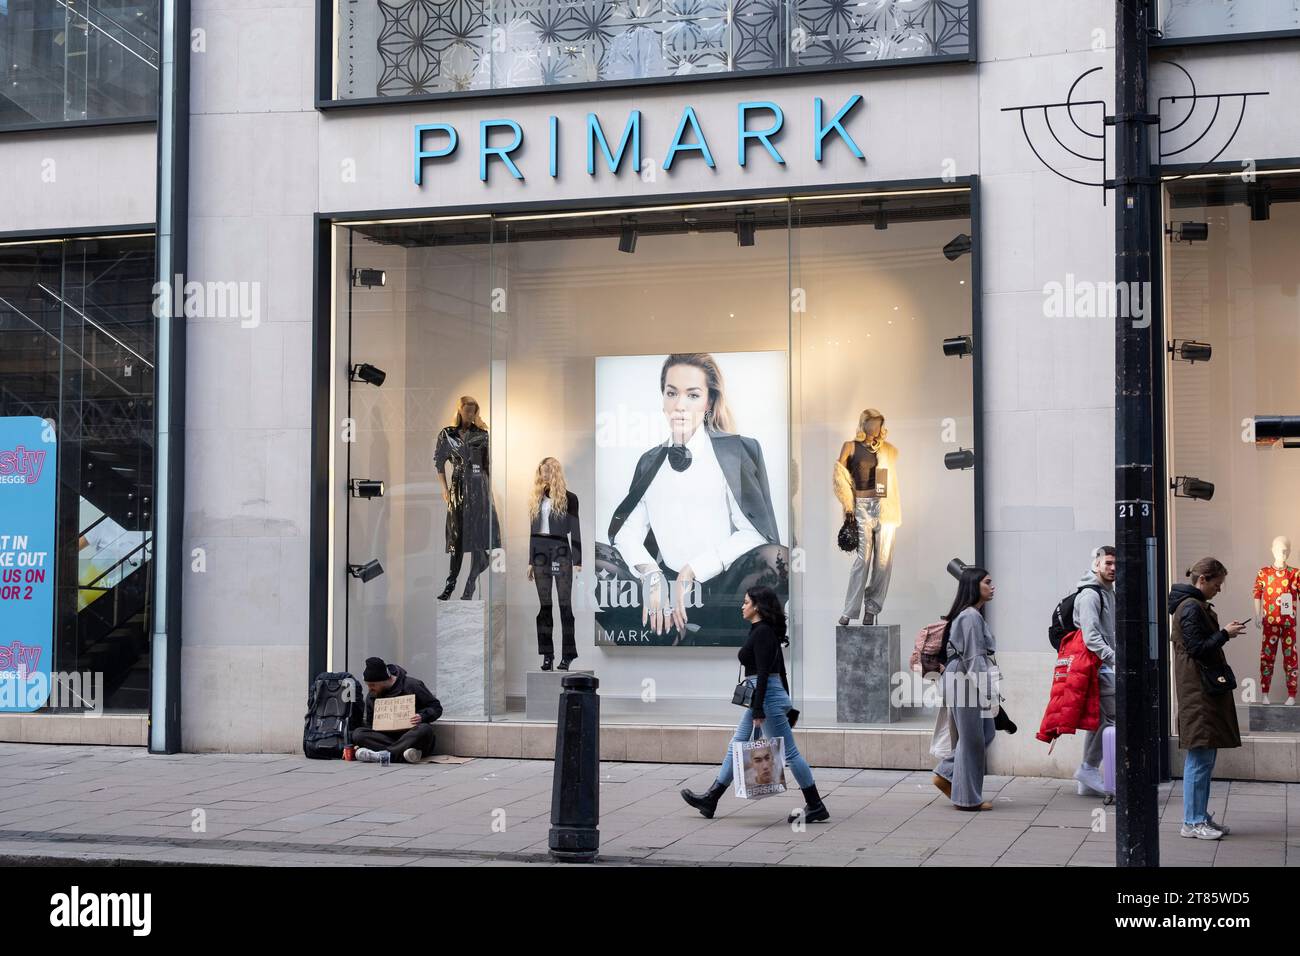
x=1094 y=615
x=1207 y=716
x=764 y=664
x=969 y=691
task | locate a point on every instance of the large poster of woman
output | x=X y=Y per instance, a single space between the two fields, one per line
x=692 y=473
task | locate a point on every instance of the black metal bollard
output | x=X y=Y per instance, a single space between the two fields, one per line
x=575 y=793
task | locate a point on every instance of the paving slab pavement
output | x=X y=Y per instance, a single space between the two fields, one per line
x=102 y=805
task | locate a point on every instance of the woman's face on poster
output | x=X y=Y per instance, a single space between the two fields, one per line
x=686 y=399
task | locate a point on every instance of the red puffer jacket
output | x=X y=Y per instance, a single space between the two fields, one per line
x=1075 y=703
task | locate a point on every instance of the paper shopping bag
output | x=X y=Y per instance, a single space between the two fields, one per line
x=759 y=767
x=941 y=744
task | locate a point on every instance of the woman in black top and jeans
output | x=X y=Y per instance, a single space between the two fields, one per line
x=764 y=665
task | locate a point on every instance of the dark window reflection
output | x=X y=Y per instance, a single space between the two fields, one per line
x=77 y=348
x=64 y=60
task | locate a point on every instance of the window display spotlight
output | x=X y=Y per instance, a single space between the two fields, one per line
x=369 y=374
x=959 y=346
x=745 y=228
x=1188 y=231
x=1188 y=487
x=1260 y=202
x=366 y=488
x=957 y=248
x=1190 y=351
x=1271 y=429
x=956 y=566
x=627 y=235
x=366 y=572
x=959 y=460
x=369 y=278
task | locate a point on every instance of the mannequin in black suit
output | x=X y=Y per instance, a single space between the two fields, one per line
x=555 y=551
x=471 y=515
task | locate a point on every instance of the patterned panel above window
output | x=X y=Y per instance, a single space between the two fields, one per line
x=439 y=46
x=854 y=31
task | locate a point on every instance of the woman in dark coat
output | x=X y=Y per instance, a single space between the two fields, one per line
x=1207 y=719
x=471 y=516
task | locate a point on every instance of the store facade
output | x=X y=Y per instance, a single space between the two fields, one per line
x=549 y=218
x=765 y=229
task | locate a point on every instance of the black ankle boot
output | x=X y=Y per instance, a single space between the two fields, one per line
x=547 y=661
x=564 y=663
x=706 y=803
x=446 y=592
x=814 y=812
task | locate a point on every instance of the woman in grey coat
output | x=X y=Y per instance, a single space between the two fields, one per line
x=968 y=692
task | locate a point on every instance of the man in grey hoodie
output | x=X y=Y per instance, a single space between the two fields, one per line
x=1094 y=614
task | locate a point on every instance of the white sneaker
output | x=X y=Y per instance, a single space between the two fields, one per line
x=1221 y=827
x=1290 y=701
x=1200 y=831
x=1263 y=699
x=1090 y=781
x=412 y=755
x=366 y=755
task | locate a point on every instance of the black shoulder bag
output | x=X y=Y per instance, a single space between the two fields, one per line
x=743 y=695
x=1217 y=679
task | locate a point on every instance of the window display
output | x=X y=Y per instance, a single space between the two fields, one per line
x=672 y=386
x=77 y=336
x=1234 y=328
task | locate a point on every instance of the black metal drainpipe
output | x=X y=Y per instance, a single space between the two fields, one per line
x=1137 y=840
x=169 y=558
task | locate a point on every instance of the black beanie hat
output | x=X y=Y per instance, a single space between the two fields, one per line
x=376 y=670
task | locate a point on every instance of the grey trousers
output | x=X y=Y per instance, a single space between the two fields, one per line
x=1092 y=739
x=872 y=563
x=965 y=768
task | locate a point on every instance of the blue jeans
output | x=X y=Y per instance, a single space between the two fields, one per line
x=1197 y=770
x=775 y=703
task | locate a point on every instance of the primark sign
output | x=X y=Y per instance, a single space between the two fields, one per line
x=758 y=133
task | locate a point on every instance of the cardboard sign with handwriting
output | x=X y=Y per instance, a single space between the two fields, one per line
x=394 y=713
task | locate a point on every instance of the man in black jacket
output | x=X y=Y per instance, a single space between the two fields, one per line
x=384 y=746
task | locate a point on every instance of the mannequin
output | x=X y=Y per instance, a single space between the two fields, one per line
x=1277 y=599
x=555 y=552
x=866 y=484
x=471 y=516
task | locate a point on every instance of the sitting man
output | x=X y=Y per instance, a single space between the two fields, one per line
x=384 y=746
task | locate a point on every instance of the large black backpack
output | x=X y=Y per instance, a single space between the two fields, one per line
x=335 y=707
x=1063 y=617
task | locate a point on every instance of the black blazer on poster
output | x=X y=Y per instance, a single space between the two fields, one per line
x=741 y=460
x=566 y=531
